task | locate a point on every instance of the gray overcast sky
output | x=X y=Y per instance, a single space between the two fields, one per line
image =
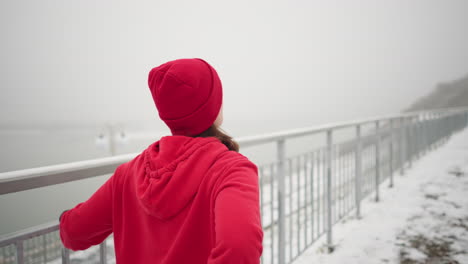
x=307 y=62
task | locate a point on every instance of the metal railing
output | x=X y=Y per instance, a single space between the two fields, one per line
x=302 y=196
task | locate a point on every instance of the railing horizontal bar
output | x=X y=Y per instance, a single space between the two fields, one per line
x=28 y=233
x=22 y=180
x=288 y=134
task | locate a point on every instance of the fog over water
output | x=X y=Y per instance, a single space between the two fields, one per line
x=69 y=67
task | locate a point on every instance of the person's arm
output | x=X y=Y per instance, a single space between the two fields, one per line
x=90 y=222
x=238 y=229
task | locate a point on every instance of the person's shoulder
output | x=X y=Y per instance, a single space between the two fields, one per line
x=234 y=157
x=236 y=170
x=232 y=160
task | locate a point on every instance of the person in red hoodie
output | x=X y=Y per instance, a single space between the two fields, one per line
x=187 y=198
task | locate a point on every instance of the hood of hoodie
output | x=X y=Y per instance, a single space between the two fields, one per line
x=174 y=167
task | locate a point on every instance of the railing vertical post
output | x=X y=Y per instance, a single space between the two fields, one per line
x=414 y=134
x=272 y=213
x=414 y=140
x=442 y=125
x=65 y=256
x=19 y=252
x=44 y=245
x=306 y=198
x=450 y=124
x=453 y=126
x=391 y=153
x=402 y=145
x=409 y=142
x=430 y=131
x=462 y=120
x=441 y=128
x=466 y=119
x=445 y=128
x=358 y=171
x=312 y=199
x=377 y=159
x=417 y=138
x=438 y=118
x=455 y=118
x=454 y=122
x=426 y=132
x=281 y=151
x=421 y=134
x=458 y=121
x=433 y=130
x=103 y=252
x=449 y=129
x=329 y=190
x=299 y=183
x=435 y=133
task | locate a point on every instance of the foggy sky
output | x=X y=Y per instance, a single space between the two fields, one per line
x=297 y=63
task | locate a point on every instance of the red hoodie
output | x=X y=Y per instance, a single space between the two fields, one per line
x=182 y=200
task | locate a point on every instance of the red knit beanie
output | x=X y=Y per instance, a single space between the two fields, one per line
x=188 y=95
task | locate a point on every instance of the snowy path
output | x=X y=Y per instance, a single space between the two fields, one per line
x=423 y=219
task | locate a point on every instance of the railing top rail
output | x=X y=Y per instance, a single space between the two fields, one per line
x=287 y=134
x=21 y=180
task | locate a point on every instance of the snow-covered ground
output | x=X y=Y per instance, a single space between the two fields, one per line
x=423 y=219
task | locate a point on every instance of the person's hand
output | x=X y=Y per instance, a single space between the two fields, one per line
x=60 y=217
